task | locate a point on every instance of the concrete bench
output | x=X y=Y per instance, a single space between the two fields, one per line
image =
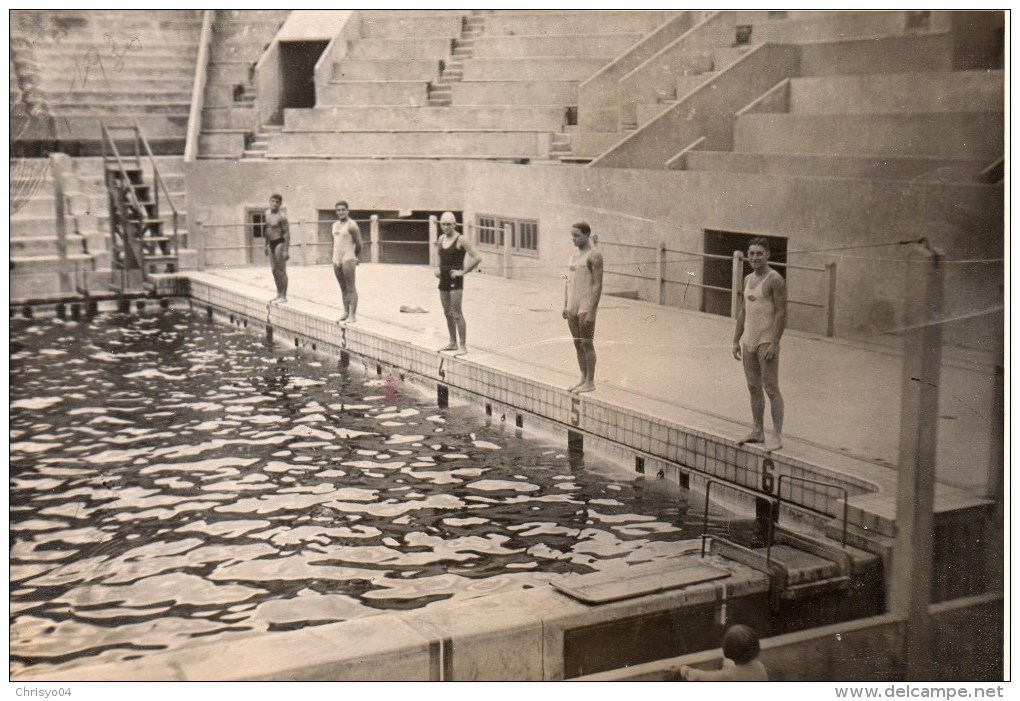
x=943 y=134
x=511 y=117
x=416 y=143
x=370 y=92
x=519 y=92
x=423 y=47
x=540 y=68
x=386 y=69
x=813 y=165
x=569 y=45
x=575 y=22
x=959 y=91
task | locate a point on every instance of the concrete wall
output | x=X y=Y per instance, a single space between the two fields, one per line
x=865 y=650
x=644 y=207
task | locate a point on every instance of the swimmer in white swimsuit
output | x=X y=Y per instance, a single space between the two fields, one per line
x=346 y=249
x=760 y=325
x=581 y=302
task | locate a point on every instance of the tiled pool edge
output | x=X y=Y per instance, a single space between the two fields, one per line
x=683 y=454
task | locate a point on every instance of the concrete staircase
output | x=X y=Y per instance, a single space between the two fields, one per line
x=888 y=126
x=440 y=91
x=229 y=120
x=42 y=265
x=493 y=85
x=875 y=92
x=113 y=65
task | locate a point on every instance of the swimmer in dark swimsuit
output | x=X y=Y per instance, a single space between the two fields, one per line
x=278 y=244
x=453 y=248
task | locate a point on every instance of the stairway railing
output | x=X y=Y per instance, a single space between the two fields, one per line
x=198 y=88
x=111 y=153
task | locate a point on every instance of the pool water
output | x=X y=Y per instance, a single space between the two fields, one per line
x=175 y=480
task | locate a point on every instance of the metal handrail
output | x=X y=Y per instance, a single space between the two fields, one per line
x=158 y=179
x=846 y=496
x=773 y=502
x=138 y=250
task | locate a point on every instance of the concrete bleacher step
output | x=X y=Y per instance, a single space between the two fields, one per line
x=370 y=92
x=958 y=91
x=125 y=106
x=521 y=46
x=230 y=72
x=386 y=69
x=39 y=247
x=515 y=92
x=594 y=143
x=976 y=135
x=838 y=166
x=575 y=22
x=222 y=142
x=410 y=26
x=526 y=144
x=533 y=68
x=421 y=48
x=462 y=117
x=240 y=116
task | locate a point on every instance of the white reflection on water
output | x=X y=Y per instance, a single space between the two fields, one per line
x=198 y=483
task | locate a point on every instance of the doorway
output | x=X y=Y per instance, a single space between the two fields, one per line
x=718 y=272
x=297 y=72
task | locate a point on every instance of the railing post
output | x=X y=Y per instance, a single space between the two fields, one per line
x=373 y=237
x=303 y=243
x=58 y=194
x=660 y=282
x=910 y=590
x=507 y=262
x=199 y=244
x=433 y=238
x=736 y=283
x=830 y=306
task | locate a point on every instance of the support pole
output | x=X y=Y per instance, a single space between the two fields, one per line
x=736 y=283
x=910 y=593
x=373 y=237
x=830 y=306
x=433 y=239
x=508 y=268
x=660 y=281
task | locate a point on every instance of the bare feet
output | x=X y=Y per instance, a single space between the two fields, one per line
x=448 y=347
x=281 y=300
x=352 y=319
x=775 y=442
x=343 y=318
x=461 y=351
x=754 y=437
x=585 y=387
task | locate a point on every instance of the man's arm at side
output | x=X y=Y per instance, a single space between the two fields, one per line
x=778 y=289
x=596 y=265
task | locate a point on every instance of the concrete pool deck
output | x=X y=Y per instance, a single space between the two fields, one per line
x=842 y=395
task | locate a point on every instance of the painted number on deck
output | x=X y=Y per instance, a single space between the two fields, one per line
x=343 y=337
x=768 y=480
x=575 y=411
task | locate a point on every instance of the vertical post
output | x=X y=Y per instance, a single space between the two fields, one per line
x=433 y=238
x=910 y=593
x=736 y=282
x=660 y=282
x=830 y=305
x=508 y=270
x=200 y=244
x=373 y=237
x=302 y=242
x=58 y=196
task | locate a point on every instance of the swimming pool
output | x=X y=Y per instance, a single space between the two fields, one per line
x=174 y=480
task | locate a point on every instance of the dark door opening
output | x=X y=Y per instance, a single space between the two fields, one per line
x=297 y=72
x=719 y=273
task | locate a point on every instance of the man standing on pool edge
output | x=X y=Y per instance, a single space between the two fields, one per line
x=760 y=324
x=277 y=235
x=453 y=247
x=346 y=249
x=581 y=303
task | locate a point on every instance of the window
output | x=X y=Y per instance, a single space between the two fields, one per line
x=256 y=223
x=523 y=233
